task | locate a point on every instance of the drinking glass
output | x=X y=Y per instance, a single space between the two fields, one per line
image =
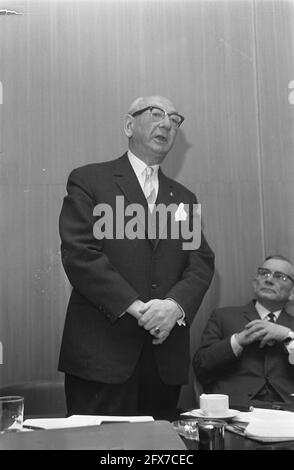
x=11 y=413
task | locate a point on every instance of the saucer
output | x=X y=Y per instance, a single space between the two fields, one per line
x=229 y=414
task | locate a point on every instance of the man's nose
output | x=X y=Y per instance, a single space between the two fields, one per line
x=269 y=279
x=165 y=122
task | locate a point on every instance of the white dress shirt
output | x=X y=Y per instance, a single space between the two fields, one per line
x=139 y=168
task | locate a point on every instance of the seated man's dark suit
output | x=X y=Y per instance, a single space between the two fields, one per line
x=219 y=370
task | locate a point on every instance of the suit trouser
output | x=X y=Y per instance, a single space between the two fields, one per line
x=143 y=393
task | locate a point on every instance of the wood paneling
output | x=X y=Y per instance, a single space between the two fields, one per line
x=34 y=287
x=69 y=71
x=275 y=52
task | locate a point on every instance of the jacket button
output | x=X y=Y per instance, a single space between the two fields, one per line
x=153 y=286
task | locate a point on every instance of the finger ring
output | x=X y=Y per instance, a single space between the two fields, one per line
x=157 y=330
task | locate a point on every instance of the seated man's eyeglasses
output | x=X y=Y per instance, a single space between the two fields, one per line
x=267 y=273
x=158 y=114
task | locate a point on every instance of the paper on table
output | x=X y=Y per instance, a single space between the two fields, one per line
x=70 y=422
x=279 y=430
x=82 y=420
x=126 y=419
x=262 y=413
x=268 y=425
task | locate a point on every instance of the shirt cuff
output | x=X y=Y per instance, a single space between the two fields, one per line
x=237 y=349
x=180 y=321
x=290 y=348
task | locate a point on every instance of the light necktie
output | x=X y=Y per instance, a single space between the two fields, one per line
x=148 y=188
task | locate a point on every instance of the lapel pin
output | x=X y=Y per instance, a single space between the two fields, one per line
x=171 y=193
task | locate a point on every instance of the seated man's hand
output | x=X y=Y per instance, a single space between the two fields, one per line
x=244 y=338
x=266 y=332
x=159 y=317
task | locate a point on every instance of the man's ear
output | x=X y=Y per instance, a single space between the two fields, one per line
x=128 y=127
x=291 y=296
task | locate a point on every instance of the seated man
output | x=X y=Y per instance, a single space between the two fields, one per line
x=248 y=352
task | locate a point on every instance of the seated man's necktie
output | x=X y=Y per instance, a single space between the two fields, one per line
x=271 y=317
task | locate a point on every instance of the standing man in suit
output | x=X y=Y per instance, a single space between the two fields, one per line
x=125 y=346
x=248 y=352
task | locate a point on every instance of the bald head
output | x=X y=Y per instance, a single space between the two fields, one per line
x=154 y=100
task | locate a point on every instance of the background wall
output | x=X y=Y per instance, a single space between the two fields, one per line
x=69 y=70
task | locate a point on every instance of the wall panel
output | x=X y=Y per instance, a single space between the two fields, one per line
x=275 y=52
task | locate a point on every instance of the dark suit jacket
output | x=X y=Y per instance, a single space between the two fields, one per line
x=220 y=371
x=108 y=275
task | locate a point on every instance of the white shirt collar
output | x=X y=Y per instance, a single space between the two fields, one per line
x=263 y=312
x=139 y=166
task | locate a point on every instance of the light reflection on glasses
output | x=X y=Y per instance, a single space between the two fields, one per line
x=277 y=275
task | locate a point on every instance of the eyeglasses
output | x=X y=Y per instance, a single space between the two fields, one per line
x=158 y=114
x=267 y=273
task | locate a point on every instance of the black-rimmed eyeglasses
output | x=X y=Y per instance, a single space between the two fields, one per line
x=158 y=114
x=267 y=273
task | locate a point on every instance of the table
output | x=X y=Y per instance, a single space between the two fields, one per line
x=155 y=435
x=236 y=442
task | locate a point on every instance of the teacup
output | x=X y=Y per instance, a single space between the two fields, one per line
x=214 y=404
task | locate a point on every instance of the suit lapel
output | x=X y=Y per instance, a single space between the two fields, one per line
x=284 y=319
x=166 y=196
x=250 y=313
x=165 y=191
x=127 y=181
